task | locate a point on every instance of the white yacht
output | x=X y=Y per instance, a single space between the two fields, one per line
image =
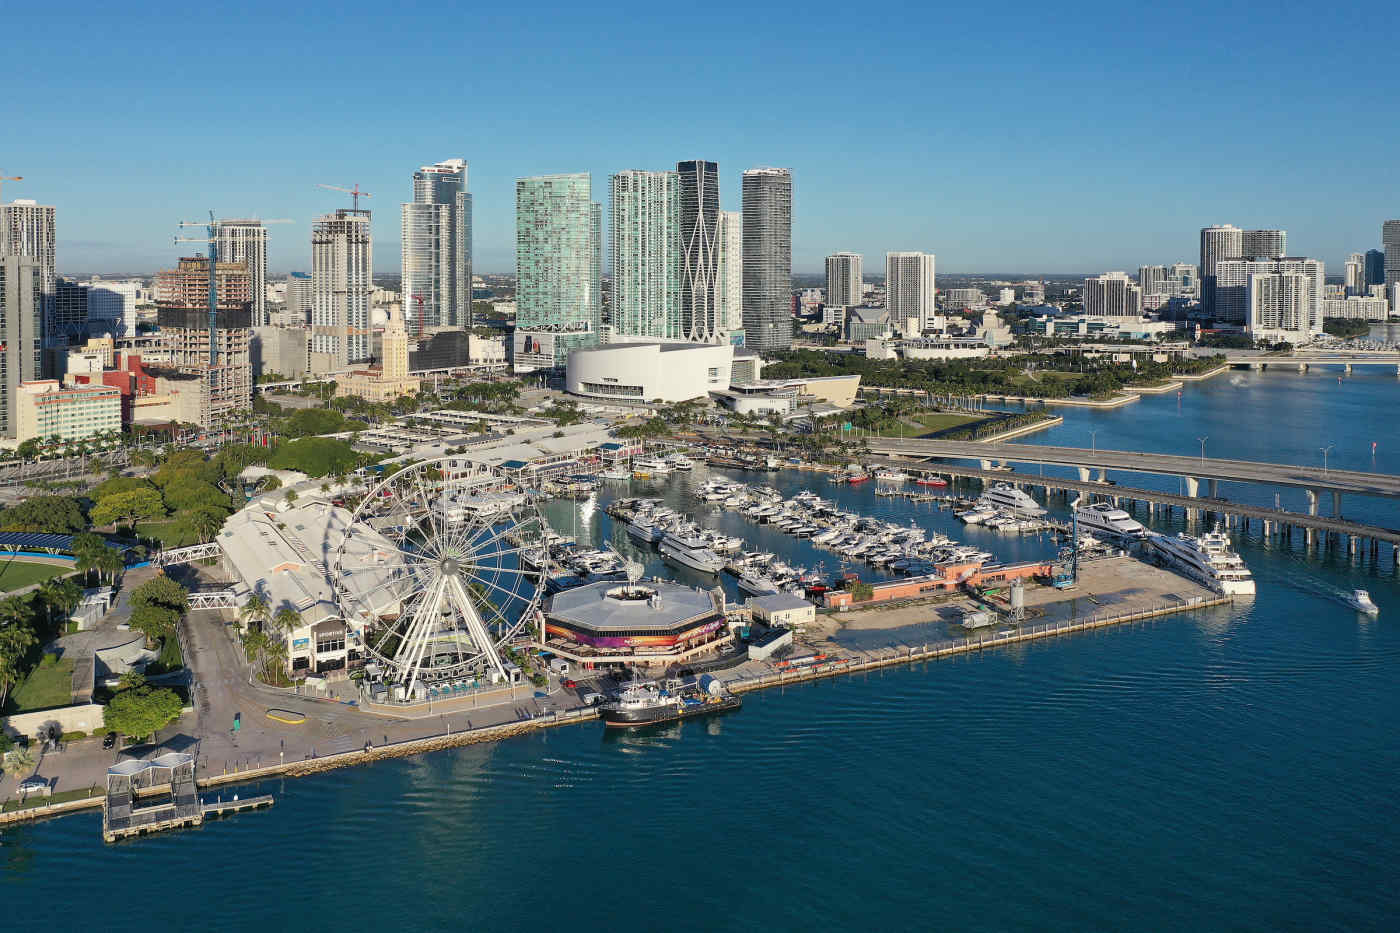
x=1360 y=600
x=616 y=473
x=681 y=462
x=651 y=466
x=690 y=551
x=1104 y=518
x=1006 y=496
x=1208 y=559
x=757 y=584
x=975 y=516
x=890 y=476
x=641 y=528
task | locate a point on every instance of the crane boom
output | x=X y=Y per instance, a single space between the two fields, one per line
x=355 y=192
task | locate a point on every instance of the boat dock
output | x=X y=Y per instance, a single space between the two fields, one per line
x=170 y=779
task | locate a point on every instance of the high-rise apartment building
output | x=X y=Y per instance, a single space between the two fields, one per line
x=729 y=276
x=699 y=222
x=27 y=228
x=437 y=248
x=843 y=279
x=21 y=332
x=1264 y=244
x=245 y=241
x=111 y=308
x=182 y=300
x=1354 y=274
x=1232 y=289
x=768 y=258
x=646 y=255
x=69 y=312
x=910 y=288
x=558 y=264
x=1217 y=243
x=1280 y=306
x=1152 y=279
x=1184 y=281
x=342 y=283
x=1390 y=240
x=1112 y=294
x=299 y=297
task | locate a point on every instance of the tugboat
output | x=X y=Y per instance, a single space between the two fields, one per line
x=646 y=703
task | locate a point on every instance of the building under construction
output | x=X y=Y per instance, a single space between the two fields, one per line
x=182 y=298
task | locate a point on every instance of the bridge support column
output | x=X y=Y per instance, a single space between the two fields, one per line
x=1308 y=540
x=1351 y=545
x=1193 y=486
x=1214 y=488
x=1302 y=367
x=985 y=464
x=1336 y=503
x=1103 y=476
x=1083 y=474
x=1312 y=501
x=1347 y=369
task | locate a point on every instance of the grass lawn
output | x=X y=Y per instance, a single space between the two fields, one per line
x=48 y=685
x=63 y=796
x=15 y=574
x=942 y=421
x=158 y=530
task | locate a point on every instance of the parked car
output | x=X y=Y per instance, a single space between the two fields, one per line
x=571 y=684
x=109 y=740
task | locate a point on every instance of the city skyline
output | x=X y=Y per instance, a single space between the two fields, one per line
x=992 y=175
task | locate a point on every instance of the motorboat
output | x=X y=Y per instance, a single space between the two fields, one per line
x=1360 y=600
x=1006 y=496
x=1208 y=560
x=1107 y=519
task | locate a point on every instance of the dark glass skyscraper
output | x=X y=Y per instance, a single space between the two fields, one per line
x=768 y=258
x=699 y=210
x=1375 y=267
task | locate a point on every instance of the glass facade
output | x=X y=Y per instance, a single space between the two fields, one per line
x=768 y=258
x=699 y=223
x=437 y=248
x=557 y=260
x=646 y=261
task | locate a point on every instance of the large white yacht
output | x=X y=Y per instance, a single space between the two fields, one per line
x=1005 y=496
x=1104 y=518
x=691 y=551
x=1208 y=559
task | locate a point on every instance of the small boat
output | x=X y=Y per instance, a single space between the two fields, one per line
x=1360 y=600
x=936 y=481
x=615 y=473
x=857 y=478
x=890 y=476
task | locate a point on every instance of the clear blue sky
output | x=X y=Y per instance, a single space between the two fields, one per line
x=1001 y=136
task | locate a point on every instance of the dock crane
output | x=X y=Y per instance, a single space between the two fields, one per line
x=354 y=193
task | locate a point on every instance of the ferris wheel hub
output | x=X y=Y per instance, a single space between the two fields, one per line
x=450 y=567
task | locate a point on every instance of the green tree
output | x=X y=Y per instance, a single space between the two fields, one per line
x=60 y=596
x=255 y=611
x=16 y=639
x=60 y=515
x=131 y=505
x=316 y=456
x=156 y=606
x=18 y=762
x=286 y=620
x=141 y=711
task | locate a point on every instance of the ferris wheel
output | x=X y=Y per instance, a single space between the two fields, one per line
x=430 y=571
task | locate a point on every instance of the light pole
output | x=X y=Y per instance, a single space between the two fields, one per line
x=1094 y=441
x=1325 y=451
x=1203 y=448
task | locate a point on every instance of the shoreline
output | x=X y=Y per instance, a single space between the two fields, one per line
x=1024 y=430
x=852 y=664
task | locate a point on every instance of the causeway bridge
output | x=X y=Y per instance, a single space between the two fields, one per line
x=1303 y=360
x=1313 y=480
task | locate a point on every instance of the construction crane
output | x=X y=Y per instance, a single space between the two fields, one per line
x=5 y=178
x=354 y=192
x=212 y=240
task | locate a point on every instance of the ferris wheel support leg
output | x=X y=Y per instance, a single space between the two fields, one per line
x=475 y=627
x=415 y=639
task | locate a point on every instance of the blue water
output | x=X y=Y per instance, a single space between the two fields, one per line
x=1232 y=769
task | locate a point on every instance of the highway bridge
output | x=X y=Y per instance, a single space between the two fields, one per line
x=1314 y=480
x=1305 y=359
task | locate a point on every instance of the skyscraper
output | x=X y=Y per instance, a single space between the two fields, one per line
x=299 y=297
x=1354 y=277
x=646 y=255
x=768 y=258
x=1390 y=239
x=1217 y=243
x=699 y=220
x=729 y=276
x=1264 y=244
x=843 y=278
x=1112 y=294
x=28 y=230
x=1233 y=277
x=436 y=248
x=182 y=296
x=557 y=260
x=21 y=323
x=342 y=269
x=1375 y=267
x=1280 y=306
x=245 y=241
x=910 y=289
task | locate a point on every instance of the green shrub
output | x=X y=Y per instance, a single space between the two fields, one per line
x=74 y=736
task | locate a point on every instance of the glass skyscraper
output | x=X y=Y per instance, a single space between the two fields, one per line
x=699 y=222
x=437 y=249
x=557 y=266
x=768 y=258
x=646 y=260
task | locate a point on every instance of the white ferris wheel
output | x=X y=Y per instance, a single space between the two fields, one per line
x=430 y=570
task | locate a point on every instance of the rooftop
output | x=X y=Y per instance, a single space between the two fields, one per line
x=613 y=606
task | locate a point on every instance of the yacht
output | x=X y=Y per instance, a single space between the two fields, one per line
x=1360 y=600
x=1006 y=496
x=616 y=473
x=1107 y=519
x=641 y=528
x=757 y=584
x=690 y=551
x=890 y=476
x=975 y=515
x=1208 y=560
x=681 y=462
x=651 y=466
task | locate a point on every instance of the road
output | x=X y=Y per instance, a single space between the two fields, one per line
x=1235 y=471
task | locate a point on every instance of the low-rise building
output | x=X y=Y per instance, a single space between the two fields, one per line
x=647 y=371
x=47 y=409
x=864 y=323
x=651 y=623
x=782 y=609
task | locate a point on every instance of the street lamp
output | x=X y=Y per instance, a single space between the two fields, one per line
x=1094 y=441
x=1203 y=448
x=1325 y=451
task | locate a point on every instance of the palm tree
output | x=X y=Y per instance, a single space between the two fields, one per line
x=255 y=610
x=16 y=638
x=205 y=525
x=110 y=563
x=274 y=657
x=18 y=761
x=286 y=620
